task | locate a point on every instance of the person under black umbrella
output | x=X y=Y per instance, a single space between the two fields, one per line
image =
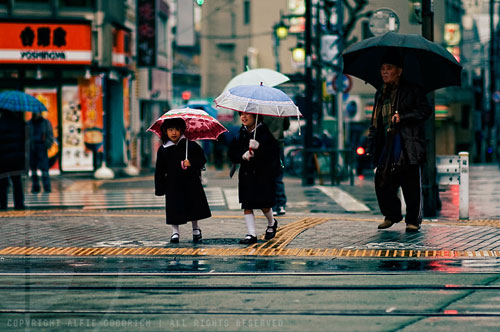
x=396 y=143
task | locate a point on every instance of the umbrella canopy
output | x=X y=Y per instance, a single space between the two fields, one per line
x=18 y=101
x=258 y=99
x=267 y=77
x=199 y=125
x=425 y=63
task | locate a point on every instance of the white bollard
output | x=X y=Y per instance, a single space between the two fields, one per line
x=463 y=190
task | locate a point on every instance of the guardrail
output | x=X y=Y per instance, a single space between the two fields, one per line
x=452 y=170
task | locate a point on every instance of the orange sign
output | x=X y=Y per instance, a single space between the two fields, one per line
x=45 y=43
x=121 y=48
x=91 y=107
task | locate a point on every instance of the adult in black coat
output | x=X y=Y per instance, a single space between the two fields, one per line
x=13 y=138
x=397 y=144
x=42 y=137
x=259 y=166
x=179 y=179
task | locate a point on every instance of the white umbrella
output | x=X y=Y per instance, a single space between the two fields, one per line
x=267 y=77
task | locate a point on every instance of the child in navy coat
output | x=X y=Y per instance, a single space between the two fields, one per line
x=259 y=166
x=179 y=179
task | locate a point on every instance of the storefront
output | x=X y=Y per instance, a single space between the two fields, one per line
x=55 y=62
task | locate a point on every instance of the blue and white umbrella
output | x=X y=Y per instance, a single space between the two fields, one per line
x=258 y=99
x=18 y=101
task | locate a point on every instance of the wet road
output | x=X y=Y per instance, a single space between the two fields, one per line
x=95 y=256
x=251 y=301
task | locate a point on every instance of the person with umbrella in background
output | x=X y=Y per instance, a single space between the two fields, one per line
x=13 y=138
x=277 y=126
x=397 y=143
x=42 y=137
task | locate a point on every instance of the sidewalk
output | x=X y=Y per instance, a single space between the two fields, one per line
x=484 y=194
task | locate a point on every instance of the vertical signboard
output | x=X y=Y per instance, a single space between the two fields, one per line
x=146 y=33
x=90 y=93
x=75 y=157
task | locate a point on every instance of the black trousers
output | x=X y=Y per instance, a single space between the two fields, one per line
x=407 y=177
x=17 y=189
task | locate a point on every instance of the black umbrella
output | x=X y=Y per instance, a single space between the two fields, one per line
x=425 y=63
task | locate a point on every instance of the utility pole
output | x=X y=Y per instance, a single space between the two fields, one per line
x=491 y=141
x=429 y=185
x=307 y=171
x=340 y=81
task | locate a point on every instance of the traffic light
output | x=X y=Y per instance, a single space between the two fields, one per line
x=199 y=2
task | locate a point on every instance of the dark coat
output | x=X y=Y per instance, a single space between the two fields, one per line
x=13 y=141
x=414 y=110
x=256 y=186
x=184 y=195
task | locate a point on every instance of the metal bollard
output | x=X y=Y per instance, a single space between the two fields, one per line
x=463 y=190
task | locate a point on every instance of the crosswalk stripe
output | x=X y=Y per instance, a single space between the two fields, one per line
x=125 y=199
x=346 y=201
x=232 y=199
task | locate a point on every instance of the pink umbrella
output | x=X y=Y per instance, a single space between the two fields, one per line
x=199 y=125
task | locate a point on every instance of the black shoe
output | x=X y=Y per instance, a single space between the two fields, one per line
x=197 y=237
x=174 y=238
x=20 y=207
x=271 y=230
x=35 y=191
x=249 y=239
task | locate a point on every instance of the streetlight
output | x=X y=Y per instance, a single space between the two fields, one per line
x=299 y=53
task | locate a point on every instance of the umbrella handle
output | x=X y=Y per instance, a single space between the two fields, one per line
x=187 y=148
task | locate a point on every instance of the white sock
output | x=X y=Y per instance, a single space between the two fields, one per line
x=175 y=229
x=196 y=229
x=250 y=221
x=269 y=216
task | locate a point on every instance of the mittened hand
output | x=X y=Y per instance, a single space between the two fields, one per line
x=247 y=155
x=253 y=144
x=185 y=164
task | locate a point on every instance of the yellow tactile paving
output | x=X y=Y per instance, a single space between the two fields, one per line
x=297 y=252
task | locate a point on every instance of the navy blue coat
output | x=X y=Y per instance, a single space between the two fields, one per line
x=185 y=199
x=13 y=144
x=256 y=186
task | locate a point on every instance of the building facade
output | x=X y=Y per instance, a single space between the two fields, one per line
x=241 y=33
x=81 y=59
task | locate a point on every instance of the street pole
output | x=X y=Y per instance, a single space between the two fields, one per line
x=277 y=50
x=307 y=171
x=429 y=185
x=491 y=141
x=340 y=83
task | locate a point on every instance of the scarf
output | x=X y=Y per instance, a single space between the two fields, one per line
x=385 y=104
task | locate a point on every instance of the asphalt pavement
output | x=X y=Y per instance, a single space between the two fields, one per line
x=95 y=255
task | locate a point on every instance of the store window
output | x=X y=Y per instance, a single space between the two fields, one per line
x=162 y=35
x=246 y=12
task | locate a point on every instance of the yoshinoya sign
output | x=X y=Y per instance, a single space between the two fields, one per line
x=40 y=43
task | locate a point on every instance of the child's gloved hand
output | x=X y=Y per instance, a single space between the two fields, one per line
x=247 y=155
x=185 y=164
x=254 y=145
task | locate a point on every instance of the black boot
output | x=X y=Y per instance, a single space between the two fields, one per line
x=271 y=230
